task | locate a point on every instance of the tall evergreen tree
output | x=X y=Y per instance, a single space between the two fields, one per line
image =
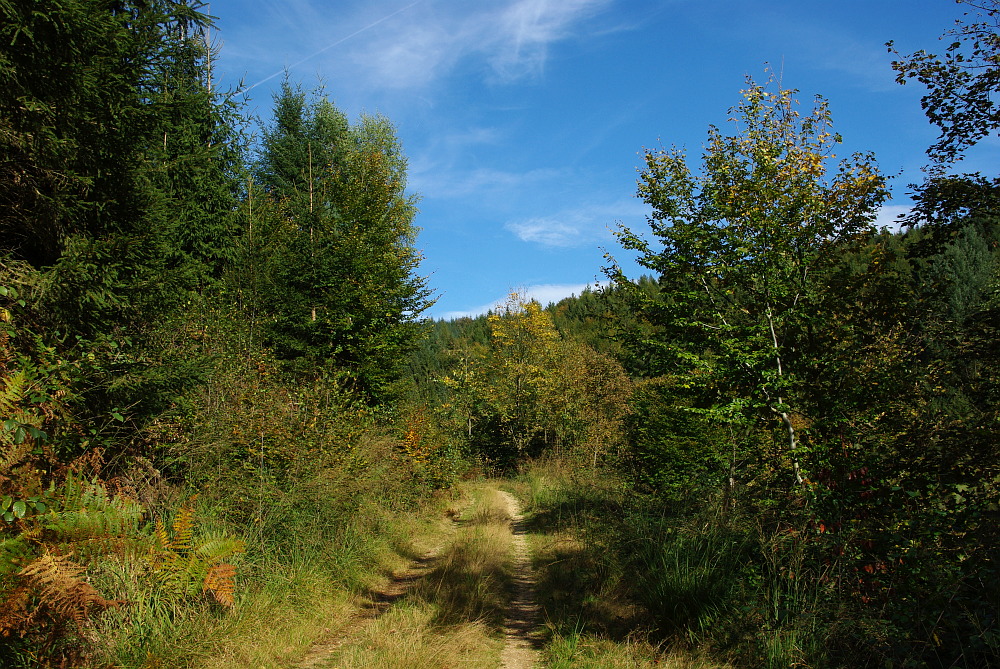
x=195 y=157
x=115 y=185
x=107 y=126
x=349 y=299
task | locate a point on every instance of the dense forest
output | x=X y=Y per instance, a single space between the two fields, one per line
x=223 y=402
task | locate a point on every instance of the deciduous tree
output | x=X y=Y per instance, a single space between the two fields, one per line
x=741 y=247
x=962 y=84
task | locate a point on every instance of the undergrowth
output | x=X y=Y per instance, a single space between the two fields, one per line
x=257 y=502
x=725 y=577
x=626 y=576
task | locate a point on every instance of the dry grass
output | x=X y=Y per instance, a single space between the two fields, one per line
x=471 y=579
x=276 y=627
x=452 y=615
x=258 y=638
x=409 y=636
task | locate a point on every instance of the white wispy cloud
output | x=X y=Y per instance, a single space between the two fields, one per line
x=316 y=19
x=544 y=293
x=412 y=55
x=402 y=45
x=867 y=63
x=528 y=27
x=548 y=231
x=577 y=226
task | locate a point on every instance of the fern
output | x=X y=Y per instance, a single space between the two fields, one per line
x=14 y=455
x=89 y=512
x=19 y=424
x=184 y=526
x=218 y=548
x=219 y=582
x=15 y=552
x=15 y=618
x=185 y=567
x=56 y=580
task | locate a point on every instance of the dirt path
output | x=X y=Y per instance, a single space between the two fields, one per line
x=521 y=633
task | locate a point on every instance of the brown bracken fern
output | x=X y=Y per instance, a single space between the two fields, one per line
x=57 y=581
x=219 y=581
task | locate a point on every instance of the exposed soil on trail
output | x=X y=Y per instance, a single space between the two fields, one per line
x=522 y=639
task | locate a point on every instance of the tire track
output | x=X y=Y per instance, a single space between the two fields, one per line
x=375 y=603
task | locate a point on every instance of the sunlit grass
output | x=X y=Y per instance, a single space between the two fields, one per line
x=576 y=651
x=472 y=577
x=453 y=615
x=285 y=602
x=410 y=636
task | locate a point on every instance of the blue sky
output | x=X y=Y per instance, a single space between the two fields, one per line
x=524 y=120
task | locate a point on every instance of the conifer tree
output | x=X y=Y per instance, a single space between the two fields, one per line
x=349 y=299
x=112 y=142
x=115 y=187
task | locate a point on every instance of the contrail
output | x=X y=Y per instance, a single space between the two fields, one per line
x=328 y=47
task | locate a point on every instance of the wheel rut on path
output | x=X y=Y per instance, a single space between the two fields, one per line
x=375 y=603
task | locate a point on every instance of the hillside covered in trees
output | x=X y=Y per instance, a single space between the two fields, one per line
x=225 y=408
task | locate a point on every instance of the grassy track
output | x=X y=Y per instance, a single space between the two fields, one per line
x=462 y=593
x=445 y=610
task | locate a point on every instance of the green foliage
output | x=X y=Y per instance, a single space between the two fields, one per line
x=88 y=93
x=519 y=373
x=118 y=196
x=531 y=390
x=962 y=84
x=86 y=510
x=185 y=567
x=778 y=301
x=745 y=245
x=140 y=276
x=43 y=587
x=242 y=337
x=673 y=447
x=434 y=456
x=344 y=294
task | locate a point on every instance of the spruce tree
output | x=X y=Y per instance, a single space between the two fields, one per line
x=116 y=180
x=348 y=300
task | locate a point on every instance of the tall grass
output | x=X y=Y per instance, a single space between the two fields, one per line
x=321 y=521
x=620 y=568
x=410 y=636
x=472 y=576
x=581 y=651
x=302 y=564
